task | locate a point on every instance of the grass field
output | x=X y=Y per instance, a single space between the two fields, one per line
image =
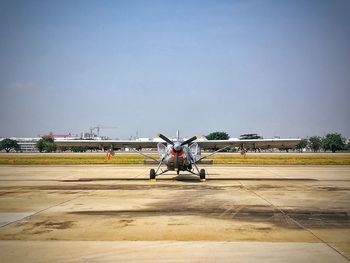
x=121 y=158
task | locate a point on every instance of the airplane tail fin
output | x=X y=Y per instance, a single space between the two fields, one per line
x=178 y=135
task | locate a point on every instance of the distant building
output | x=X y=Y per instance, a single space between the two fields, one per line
x=29 y=144
x=144 y=139
x=26 y=144
x=62 y=136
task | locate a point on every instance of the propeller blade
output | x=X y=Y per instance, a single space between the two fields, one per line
x=189 y=140
x=165 y=138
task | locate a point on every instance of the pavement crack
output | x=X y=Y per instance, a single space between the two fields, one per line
x=42 y=210
x=287 y=217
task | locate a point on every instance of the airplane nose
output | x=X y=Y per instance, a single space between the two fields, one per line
x=177 y=147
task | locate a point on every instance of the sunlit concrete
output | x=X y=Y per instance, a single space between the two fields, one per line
x=96 y=213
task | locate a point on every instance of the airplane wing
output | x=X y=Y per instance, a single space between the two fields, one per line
x=205 y=144
x=246 y=144
x=107 y=143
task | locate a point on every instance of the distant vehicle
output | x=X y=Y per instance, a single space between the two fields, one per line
x=182 y=155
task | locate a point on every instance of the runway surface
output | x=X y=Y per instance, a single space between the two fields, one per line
x=113 y=213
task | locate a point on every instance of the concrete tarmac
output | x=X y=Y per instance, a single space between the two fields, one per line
x=113 y=213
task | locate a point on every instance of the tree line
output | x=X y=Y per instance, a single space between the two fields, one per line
x=331 y=142
x=47 y=144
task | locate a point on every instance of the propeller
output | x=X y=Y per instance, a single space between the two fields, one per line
x=165 y=138
x=189 y=140
x=177 y=146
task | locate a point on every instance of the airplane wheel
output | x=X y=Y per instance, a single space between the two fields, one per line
x=202 y=175
x=178 y=172
x=152 y=174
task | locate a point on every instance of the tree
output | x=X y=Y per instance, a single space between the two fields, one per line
x=250 y=136
x=347 y=146
x=333 y=142
x=315 y=143
x=8 y=144
x=302 y=144
x=46 y=144
x=78 y=149
x=217 y=136
x=63 y=148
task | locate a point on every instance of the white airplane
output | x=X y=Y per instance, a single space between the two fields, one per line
x=181 y=155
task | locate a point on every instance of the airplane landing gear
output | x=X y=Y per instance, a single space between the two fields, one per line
x=152 y=175
x=202 y=175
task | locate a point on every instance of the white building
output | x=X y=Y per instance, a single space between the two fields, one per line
x=26 y=144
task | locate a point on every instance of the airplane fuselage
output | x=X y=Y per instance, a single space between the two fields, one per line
x=177 y=157
x=177 y=160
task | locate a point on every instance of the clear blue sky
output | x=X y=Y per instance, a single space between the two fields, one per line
x=270 y=67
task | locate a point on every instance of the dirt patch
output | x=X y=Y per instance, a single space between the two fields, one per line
x=283 y=218
x=188 y=178
x=8 y=193
x=54 y=224
x=261 y=179
x=73 y=188
x=332 y=188
x=39 y=232
x=78 y=187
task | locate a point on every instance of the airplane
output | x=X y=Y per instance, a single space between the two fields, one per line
x=178 y=154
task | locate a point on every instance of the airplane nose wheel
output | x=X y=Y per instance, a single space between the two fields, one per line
x=152 y=175
x=202 y=175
